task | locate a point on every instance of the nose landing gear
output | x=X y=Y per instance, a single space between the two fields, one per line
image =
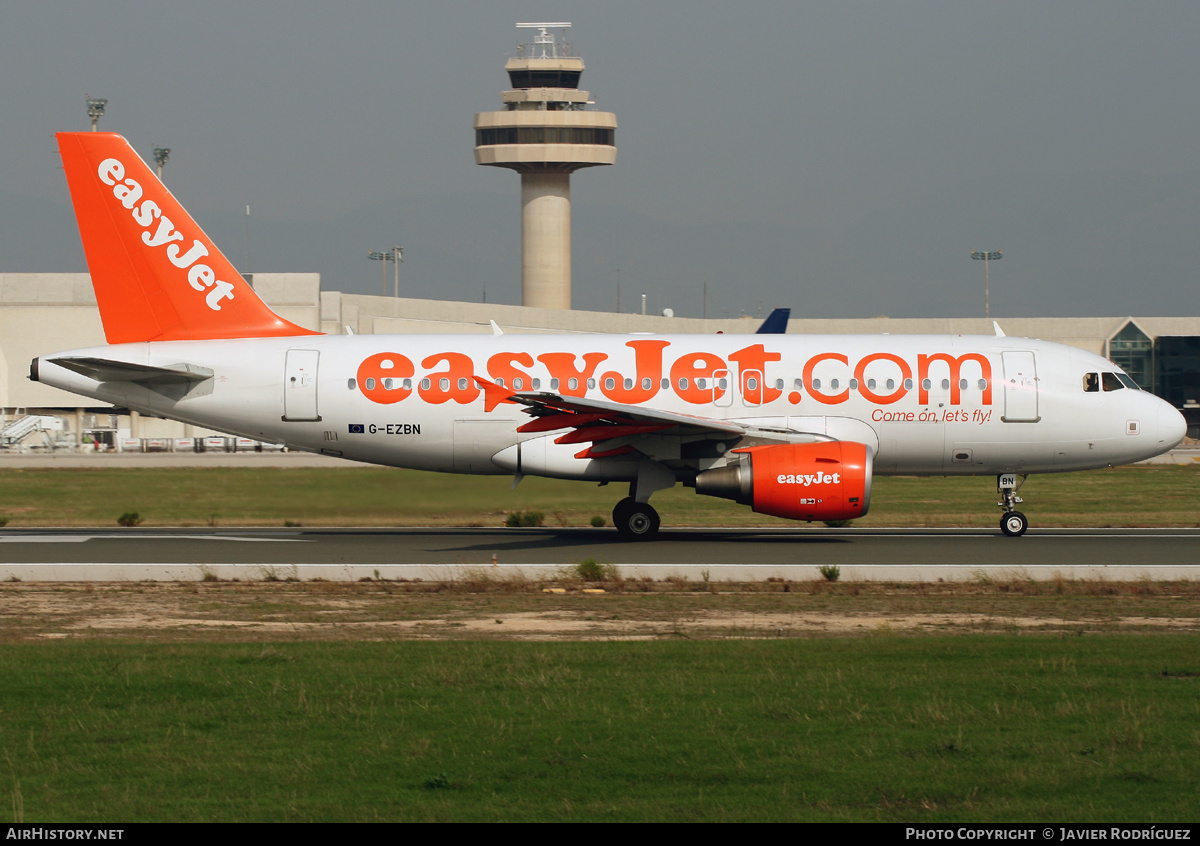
x=1013 y=523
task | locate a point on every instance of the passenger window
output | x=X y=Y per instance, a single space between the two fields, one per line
x=962 y=384
x=443 y=384
x=536 y=384
x=870 y=384
x=1111 y=382
x=945 y=384
x=926 y=384
x=854 y=384
x=370 y=384
x=779 y=384
x=573 y=383
x=1091 y=383
x=387 y=384
x=424 y=384
x=646 y=383
x=700 y=383
x=408 y=384
x=462 y=384
x=908 y=383
x=610 y=383
x=518 y=383
x=350 y=384
x=891 y=384
x=798 y=384
x=983 y=384
x=554 y=384
x=592 y=384
x=683 y=383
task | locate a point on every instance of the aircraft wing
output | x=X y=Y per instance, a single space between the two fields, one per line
x=609 y=427
x=554 y=411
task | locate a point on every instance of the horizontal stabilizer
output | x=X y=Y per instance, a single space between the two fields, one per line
x=105 y=370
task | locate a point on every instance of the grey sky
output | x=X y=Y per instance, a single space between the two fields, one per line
x=838 y=157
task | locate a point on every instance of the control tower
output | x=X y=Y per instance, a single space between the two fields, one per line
x=545 y=132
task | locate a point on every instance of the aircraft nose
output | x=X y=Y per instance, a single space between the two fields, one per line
x=1172 y=427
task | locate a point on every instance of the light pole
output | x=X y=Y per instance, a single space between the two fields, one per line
x=986 y=257
x=161 y=156
x=95 y=107
x=395 y=255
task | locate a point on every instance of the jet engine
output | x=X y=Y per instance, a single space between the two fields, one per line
x=829 y=480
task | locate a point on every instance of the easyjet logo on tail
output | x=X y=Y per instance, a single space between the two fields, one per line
x=163 y=234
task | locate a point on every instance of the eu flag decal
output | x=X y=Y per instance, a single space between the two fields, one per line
x=357 y=428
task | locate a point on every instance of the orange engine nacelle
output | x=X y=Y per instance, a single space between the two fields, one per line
x=829 y=480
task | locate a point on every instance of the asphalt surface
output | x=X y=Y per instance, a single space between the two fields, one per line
x=794 y=553
x=901 y=554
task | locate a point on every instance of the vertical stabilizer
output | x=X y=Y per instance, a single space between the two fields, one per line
x=776 y=322
x=157 y=276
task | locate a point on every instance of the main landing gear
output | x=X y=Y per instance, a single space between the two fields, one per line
x=634 y=517
x=1013 y=523
x=635 y=520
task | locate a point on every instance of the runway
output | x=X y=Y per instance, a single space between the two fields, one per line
x=719 y=554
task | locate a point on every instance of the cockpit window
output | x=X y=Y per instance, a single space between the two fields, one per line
x=1111 y=382
x=1091 y=383
x=1128 y=382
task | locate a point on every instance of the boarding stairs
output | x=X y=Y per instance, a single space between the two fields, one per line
x=17 y=430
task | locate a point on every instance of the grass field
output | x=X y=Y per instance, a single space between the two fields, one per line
x=1047 y=728
x=1156 y=495
x=276 y=701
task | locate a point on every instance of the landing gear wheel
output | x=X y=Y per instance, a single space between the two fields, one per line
x=1014 y=524
x=635 y=520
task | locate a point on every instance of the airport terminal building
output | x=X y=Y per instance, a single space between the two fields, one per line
x=44 y=313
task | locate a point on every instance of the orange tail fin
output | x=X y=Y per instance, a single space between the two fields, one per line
x=157 y=276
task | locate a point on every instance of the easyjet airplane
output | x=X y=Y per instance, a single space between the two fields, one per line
x=791 y=425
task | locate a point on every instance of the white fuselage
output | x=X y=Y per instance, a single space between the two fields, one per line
x=935 y=405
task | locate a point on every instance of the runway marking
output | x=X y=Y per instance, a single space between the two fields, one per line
x=137 y=536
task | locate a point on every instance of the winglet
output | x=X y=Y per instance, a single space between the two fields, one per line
x=493 y=394
x=157 y=276
x=999 y=331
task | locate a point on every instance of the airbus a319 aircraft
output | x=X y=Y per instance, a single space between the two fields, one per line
x=791 y=425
